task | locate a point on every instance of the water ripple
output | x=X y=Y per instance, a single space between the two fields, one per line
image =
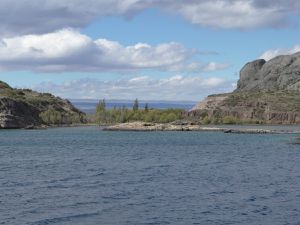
x=76 y=176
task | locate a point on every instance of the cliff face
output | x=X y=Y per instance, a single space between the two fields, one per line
x=267 y=92
x=253 y=107
x=280 y=73
x=17 y=114
x=25 y=108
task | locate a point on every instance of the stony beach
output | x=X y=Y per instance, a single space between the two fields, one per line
x=142 y=126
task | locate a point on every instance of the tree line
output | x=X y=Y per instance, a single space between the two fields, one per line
x=123 y=114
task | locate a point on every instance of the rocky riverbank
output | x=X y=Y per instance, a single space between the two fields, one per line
x=144 y=127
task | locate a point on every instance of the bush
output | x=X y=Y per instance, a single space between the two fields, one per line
x=54 y=117
x=230 y=120
x=171 y=117
x=51 y=116
x=206 y=120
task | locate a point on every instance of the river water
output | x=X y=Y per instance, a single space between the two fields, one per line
x=87 y=176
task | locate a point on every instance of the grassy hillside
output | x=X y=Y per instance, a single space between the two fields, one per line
x=50 y=109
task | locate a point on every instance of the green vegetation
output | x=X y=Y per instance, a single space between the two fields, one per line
x=49 y=109
x=288 y=100
x=252 y=107
x=4 y=85
x=135 y=107
x=105 y=116
x=55 y=117
x=217 y=118
x=206 y=120
x=230 y=120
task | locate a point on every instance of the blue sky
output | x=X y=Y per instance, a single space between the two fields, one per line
x=152 y=50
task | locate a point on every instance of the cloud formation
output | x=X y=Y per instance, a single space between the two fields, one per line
x=68 y=50
x=27 y=17
x=227 y=14
x=270 y=54
x=35 y=17
x=143 y=87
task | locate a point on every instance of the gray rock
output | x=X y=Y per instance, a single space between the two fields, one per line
x=249 y=73
x=17 y=114
x=279 y=73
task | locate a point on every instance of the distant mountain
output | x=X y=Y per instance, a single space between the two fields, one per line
x=24 y=108
x=267 y=92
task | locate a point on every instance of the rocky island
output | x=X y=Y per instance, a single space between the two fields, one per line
x=24 y=108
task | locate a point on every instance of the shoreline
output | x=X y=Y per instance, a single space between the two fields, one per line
x=181 y=127
x=154 y=127
x=44 y=127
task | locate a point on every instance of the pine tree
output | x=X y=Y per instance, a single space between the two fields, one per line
x=101 y=116
x=135 y=105
x=146 y=108
x=101 y=106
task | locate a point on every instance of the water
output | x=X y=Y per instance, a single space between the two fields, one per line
x=89 y=106
x=86 y=176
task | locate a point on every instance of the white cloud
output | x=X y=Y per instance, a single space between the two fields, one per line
x=196 y=67
x=227 y=14
x=270 y=54
x=69 y=50
x=143 y=87
x=35 y=16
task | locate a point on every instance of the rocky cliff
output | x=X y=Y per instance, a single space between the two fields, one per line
x=23 y=108
x=267 y=92
x=280 y=73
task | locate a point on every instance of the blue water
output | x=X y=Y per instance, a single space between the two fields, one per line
x=87 y=176
x=89 y=106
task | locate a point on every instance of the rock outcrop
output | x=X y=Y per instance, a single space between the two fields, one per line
x=142 y=126
x=280 y=73
x=267 y=92
x=23 y=108
x=146 y=127
x=17 y=114
x=251 y=107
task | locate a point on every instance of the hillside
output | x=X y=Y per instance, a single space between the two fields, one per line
x=24 y=108
x=267 y=92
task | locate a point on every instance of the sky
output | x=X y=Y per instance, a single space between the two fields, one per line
x=145 y=49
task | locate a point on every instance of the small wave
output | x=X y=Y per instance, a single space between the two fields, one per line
x=64 y=219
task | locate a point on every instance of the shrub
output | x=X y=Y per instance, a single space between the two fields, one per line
x=230 y=120
x=51 y=116
x=206 y=120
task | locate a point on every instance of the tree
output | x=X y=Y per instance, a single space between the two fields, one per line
x=101 y=106
x=101 y=116
x=135 y=105
x=146 y=108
